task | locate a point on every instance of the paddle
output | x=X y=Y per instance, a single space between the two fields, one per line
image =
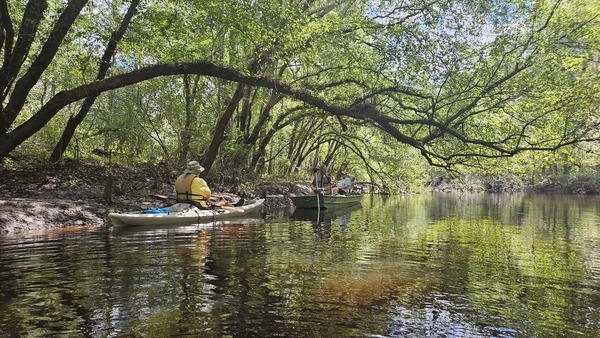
x=160 y=197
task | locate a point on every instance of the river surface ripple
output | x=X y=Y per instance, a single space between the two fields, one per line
x=452 y=265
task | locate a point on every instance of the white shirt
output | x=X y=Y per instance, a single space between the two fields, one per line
x=345 y=183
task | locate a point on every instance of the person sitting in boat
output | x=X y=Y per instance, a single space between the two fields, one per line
x=322 y=181
x=343 y=185
x=191 y=188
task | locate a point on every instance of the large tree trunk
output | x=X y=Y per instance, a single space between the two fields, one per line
x=220 y=129
x=14 y=56
x=24 y=85
x=74 y=121
x=219 y=135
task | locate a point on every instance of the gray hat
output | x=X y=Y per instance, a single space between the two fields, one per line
x=193 y=167
x=343 y=172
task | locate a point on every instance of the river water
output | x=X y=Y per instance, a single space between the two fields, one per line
x=471 y=265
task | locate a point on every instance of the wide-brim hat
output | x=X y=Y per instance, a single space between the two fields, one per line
x=193 y=167
x=343 y=172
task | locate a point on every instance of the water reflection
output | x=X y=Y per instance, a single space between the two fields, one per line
x=406 y=266
x=323 y=219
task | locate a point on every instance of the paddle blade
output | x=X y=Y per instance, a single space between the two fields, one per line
x=158 y=196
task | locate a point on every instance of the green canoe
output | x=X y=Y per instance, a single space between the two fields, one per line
x=325 y=201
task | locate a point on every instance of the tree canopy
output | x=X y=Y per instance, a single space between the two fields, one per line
x=281 y=85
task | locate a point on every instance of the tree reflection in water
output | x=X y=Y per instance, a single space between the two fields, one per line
x=411 y=266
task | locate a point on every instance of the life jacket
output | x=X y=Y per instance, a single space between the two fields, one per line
x=183 y=188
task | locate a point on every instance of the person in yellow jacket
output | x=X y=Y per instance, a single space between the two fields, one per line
x=191 y=187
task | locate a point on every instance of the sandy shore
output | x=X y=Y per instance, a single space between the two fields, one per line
x=20 y=214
